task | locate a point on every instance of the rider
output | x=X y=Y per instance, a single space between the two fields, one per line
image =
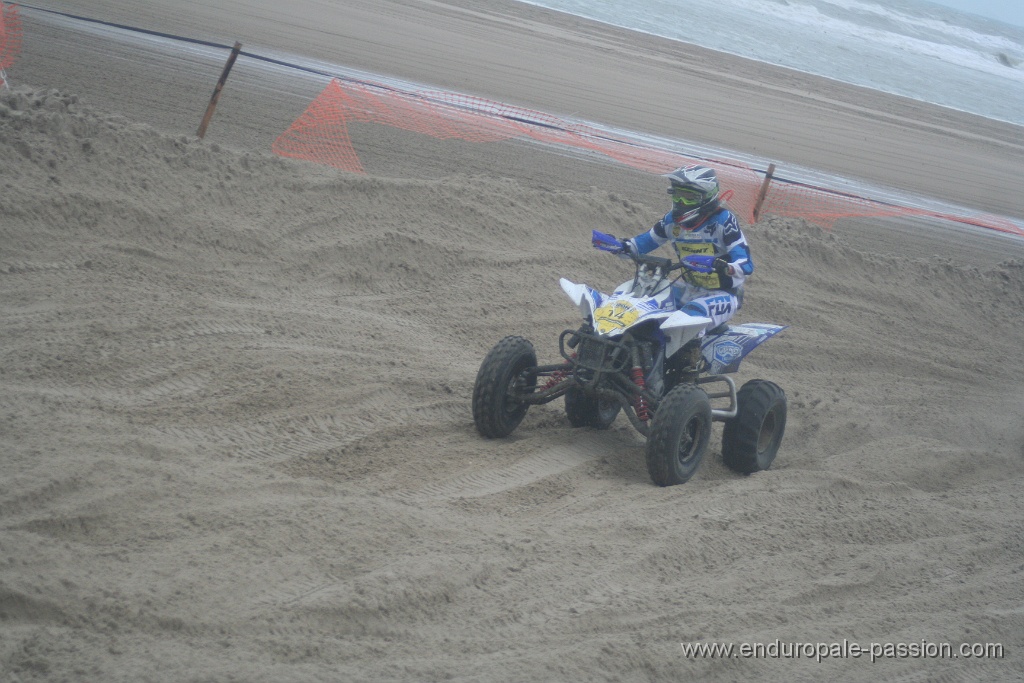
x=700 y=224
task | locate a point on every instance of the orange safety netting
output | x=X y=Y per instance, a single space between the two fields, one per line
x=321 y=135
x=824 y=207
x=10 y=34
x=10 y=37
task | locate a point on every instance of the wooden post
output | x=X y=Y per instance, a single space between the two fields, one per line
x=764 y=191
x=220 y=86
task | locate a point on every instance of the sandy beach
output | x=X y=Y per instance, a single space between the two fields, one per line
x=235 y=388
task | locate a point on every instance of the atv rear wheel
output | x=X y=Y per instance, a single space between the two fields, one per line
x=589 y=411
x=751 y=440
x=495 y=410
x=679 y=435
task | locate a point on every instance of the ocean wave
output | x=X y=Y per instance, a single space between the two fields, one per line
x=909 y=48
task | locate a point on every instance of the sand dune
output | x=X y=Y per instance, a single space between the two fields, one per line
x=237 y=441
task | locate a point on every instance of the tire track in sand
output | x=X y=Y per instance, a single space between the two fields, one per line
x=297 y=436
x=580 y=448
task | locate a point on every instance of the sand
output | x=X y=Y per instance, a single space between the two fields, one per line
x=235 y=388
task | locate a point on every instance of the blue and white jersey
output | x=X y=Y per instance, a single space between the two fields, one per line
x=718 y=235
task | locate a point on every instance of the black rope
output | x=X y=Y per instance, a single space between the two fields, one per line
x=125 y=27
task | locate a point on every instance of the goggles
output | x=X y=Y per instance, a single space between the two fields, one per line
x=685 y=196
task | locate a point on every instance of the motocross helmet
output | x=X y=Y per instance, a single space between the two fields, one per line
x=694 y=191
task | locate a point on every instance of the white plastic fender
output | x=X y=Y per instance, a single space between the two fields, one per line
x=681 y=327
x=580 y=295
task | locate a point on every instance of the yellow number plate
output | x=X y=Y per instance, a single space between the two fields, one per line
x=614 y=317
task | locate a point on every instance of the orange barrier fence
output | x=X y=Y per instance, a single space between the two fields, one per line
x=824 y=207
x=321 y=135
x=10 y=38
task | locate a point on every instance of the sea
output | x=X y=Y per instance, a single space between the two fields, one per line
x=913 y=48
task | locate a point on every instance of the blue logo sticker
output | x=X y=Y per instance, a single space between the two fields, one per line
x=727 y=351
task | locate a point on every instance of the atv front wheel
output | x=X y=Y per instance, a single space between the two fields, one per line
x=589 y=411
x=495 y=410
x=751 y=440
x=679 y=435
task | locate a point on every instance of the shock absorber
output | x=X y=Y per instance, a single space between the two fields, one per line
x=558 y=375
x=639 y=402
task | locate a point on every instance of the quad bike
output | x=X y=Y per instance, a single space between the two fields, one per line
x=636 y=353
